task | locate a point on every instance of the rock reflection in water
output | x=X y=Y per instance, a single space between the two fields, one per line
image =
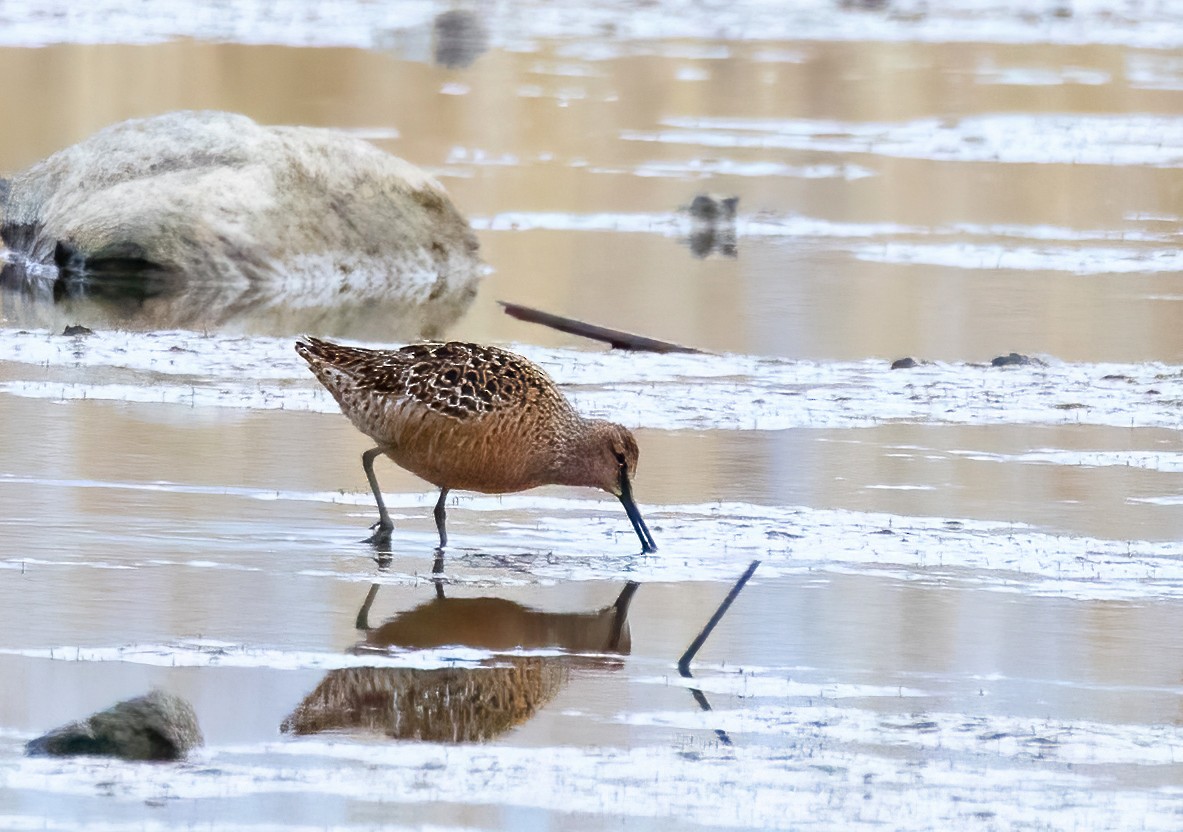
x=196 y=219
x=712 y=225
x=462 y=704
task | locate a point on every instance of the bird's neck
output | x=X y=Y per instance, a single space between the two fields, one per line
x=575 y=453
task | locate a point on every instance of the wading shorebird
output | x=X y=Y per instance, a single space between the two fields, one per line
x=473 y=418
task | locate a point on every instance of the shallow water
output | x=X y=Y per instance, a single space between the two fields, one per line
x=969 y=576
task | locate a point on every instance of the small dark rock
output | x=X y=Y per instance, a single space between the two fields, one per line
x=460 y=38
x=774 y=533
x=709 y=208
x=77 y=329
x=1016 y=359
x=905 y=363
x=1041 y=741
x=1008 y=360
x=159 y=726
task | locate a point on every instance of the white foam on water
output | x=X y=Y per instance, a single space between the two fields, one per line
x=1041 y=77
x=1074 y=742
x=668 y=392
x=747 y=685
x=42 y=823
x=996 y=138
x=1082 y=260
x=813 y=776
x=706 y=168
x=598 y=31
x=1163 y=461
x=546 y=538
x=212 y=653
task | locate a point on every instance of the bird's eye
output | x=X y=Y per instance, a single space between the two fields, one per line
x=620 y=459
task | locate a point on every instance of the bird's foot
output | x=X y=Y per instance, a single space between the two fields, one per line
x=382 y=535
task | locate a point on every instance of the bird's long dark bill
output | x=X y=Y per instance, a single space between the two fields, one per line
x=634 y=514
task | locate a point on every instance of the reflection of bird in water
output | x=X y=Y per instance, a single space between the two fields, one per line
x=473 y=418
x=459 y=704
x=451 y=704
x=497 y=625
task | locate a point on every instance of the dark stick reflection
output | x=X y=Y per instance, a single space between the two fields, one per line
x=700 y=639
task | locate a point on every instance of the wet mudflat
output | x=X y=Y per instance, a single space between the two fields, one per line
x=966 y=610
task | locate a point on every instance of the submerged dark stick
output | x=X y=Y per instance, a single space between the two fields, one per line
x=701 y=699
x=692 y=650
x=614 y=337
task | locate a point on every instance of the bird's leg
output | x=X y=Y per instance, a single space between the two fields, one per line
x=384 y=524
x=441 y=517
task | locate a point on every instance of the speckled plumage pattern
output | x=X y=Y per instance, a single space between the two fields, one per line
x=453 y=379
x=472 y=417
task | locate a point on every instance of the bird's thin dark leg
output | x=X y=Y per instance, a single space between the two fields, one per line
x=441 y=517
x=384 y=524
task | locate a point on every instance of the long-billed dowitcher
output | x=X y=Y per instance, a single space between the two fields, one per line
x=472 y=418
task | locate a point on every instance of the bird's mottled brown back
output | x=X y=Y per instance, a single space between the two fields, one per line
x=454 y=379
x=464 y=380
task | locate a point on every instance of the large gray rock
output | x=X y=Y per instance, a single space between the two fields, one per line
x=159 y=726
x=198 y=218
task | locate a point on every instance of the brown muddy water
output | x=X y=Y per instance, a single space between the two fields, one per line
x=968 y=607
